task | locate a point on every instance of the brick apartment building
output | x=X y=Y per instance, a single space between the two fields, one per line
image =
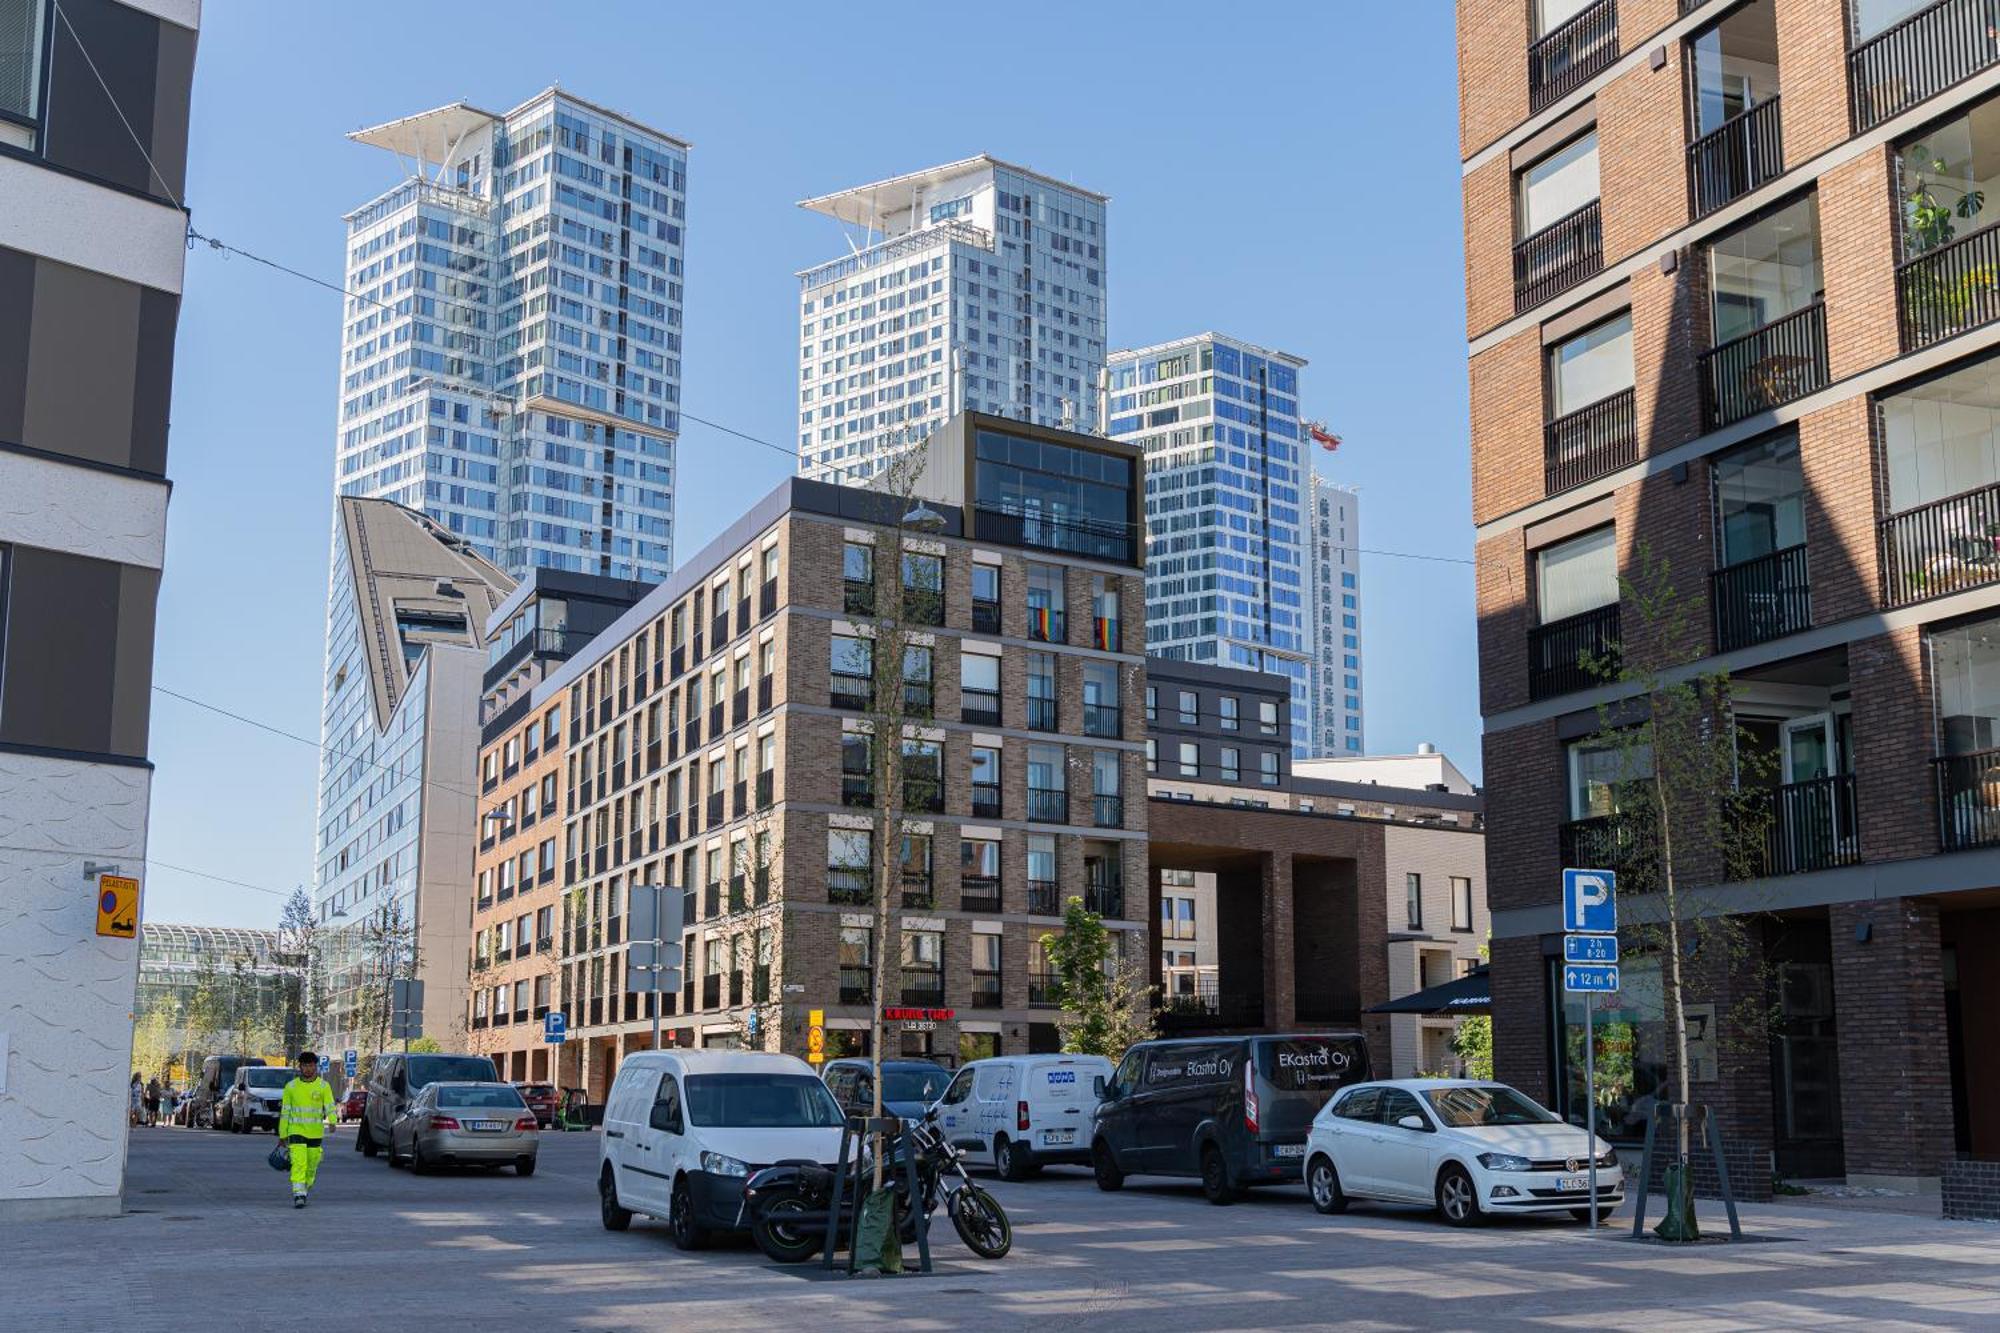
x=1730 y=304
x=714 y=738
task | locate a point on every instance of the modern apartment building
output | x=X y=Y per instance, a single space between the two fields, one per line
x=1226 y=578
x=407 y=608
x=1333 y=578
x=1731 y=334
x=511 y=345
x=979 y=286
x=720 y=737
x=93 y=155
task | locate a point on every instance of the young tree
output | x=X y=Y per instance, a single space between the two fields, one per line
x=301 y=985
x=388 y=953
x=1106 y=1004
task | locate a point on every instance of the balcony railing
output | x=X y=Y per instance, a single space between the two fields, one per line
x=978 y=894
x=1783 y=360
x=925 y=794
x=917 y=893
x=923 y=985
x=1604 y=842
x=847 y=885
x=1923 y=55
x=1809 y=826
x=986 y=800
x=1968 y=799
x=979 y=707
x=1013 y=525
x=1048 y=806
x=850 y=691
x=1558 y=257
x=1586 y=444
x=1044 y=898
x=1570 y=654
x=1950 y=288
x=1100 y=720
x=1945 y=546
x=1107 y=900
x=766 y=788
x=857 y=598
x=1041 y=714
x=1566 y=58
x=1042 y=990
x=857 y=985
x=986 y=991
x=1735 y=158
x=857 y=789
x=1107 y=811
x=1761 y=598
x=1047 y=623
x=985 y=616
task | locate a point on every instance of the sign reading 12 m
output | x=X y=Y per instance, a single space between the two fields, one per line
x=1590 y=902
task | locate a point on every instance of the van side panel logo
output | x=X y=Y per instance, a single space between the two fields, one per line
x=1062 y=1076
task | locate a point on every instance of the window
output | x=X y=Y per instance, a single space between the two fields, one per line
x=1461 y=902
x=917 y=680
x=849 y=861
x=857 y=768
x=1941 y=437
x=1064 y=499
x=1552 y=14
x=1873 y=17
x=857 y=570
x=770 y=564
x=1103 y=613
x=1267 y=768
x=1591 y=366
x=1965 y=669
x=1558 y=185
x=1152 y=703
x=853 y=671
x=1042 y=691
x=1190 y=759
x=1734 y=65
x=1760 y=500
x=20 y=60
x=1190 y=708
x=986 y=584
x=1577 y=575
x=923 y=775
x=1230 y=766
x=1227 y=710
x=1152 y=755
x=979 y=859
x=923 y=587
x=1100 y=699
x=1598 y=770
x=1765 y=270
x=1413 y=899
x=1045 y=604
x=985 y=781
x=1267 y=717
x=979 y=687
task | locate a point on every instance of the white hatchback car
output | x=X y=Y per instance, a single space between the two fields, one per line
x=1469 y=1147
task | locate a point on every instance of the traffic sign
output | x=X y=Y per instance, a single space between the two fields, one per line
x=1590 y=948
x=117 y=906
x=1590 y=901
x=555 y=1027
x=816 y=1036
x=351 y=1062
x=1590 y=977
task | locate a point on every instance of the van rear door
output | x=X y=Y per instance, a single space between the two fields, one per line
x=1297 y=1075
x=1060 y=1092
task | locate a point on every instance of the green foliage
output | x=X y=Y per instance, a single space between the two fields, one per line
x=1472 y=1043
x=427 y=1045
x=1105 y=1007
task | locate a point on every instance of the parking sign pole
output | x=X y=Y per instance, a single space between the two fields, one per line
x=1590 y=1095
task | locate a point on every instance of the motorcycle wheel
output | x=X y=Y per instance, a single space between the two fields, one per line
x=981 y=1222
x=786 y=1241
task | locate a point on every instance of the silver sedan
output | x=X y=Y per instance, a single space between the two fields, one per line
x=486 y=1124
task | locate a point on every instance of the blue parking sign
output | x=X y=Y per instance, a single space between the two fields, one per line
x=1590 y=901
x=555 y=1026
x=351 y=1062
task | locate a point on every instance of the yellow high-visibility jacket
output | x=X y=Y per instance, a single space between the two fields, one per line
x=306 y=1109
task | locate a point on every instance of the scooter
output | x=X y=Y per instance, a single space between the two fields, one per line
x=787 y=1203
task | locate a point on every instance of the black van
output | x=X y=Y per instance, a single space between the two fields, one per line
x=1232 y=1111
x=211 y=1093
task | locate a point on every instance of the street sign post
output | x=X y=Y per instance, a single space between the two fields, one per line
x=350 y=1060
x=555 y=1027
x=1590 y=948
x=1590 y=901
x=1590 y=978
x=1590 y=969
x=816 y=1036
x=656 y=914
x=406 y=1009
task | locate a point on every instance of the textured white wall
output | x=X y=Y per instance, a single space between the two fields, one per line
x=65 y=994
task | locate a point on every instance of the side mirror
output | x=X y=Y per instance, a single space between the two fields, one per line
x=1107 y=1089
x=666 y=1118
x=1413 y=1122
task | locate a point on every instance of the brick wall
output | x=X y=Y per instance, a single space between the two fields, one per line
x=1749 y=1175
x=1895 y=1094
x=1972 y=1190
x=1892 y=729
x=1665 y=541
x=1642 y=164
x=1812 y=76
x=1858 y=258
x=1526 y=797
x=1489 y=245
x=1669 y=328
x=1521 y=1016
x=1505 y=615
x=1492 y=71
x=1507 y=417
x=1837 y=460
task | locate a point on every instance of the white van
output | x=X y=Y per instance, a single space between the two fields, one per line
x=684 y=1129
x=1018 y=1113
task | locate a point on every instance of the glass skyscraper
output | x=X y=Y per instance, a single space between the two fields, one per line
x=985 y=292
x=1333 y=567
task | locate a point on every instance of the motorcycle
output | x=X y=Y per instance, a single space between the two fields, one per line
x=788 y=1203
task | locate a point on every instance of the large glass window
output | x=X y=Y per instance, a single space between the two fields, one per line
x=1942 y=438
x=1965 y=673
x=1591 y=366
x=20 y=58
x=1949 y=179
x=1046 y=606
x=1760 y=500
x=1552 y=14
x=1577 y=575
x=1067 y=499
x=1765 y=269
x=1631 y=1035
x=1871 y=18
x=1734 y=65
x=1597 y=772
x=1559 y=184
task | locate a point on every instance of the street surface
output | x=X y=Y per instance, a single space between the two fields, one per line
x=211 y=1242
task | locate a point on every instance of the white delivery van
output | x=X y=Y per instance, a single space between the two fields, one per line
x=684 y=1129
x=1017 y=1113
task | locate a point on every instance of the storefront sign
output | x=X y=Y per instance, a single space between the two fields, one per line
x=900 y=1013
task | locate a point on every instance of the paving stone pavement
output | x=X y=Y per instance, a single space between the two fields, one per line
x=211 y=1242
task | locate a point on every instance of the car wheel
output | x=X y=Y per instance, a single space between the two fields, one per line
x=418 y=1162
x=1458 y=1197
x=688 y=1233
x=614 y=1217
x=1583 y=1214
x=1323 y=1183
x=1104 y=1167
x=364 y=1142
x=1010 y=1159
x=524 y=1166
x=1215 y=1177
x=395 y=1158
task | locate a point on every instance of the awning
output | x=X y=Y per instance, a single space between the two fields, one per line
x=1469 y=994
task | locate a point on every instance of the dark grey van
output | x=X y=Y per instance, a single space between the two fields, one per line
x=1230 y=1111
x=211 y=1092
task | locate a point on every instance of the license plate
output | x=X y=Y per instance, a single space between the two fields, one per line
x=1058 y=1136
x=489 y=1124
x=1289 y=1150
x=1569 y=1183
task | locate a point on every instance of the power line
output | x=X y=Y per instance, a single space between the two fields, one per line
x=148 y=860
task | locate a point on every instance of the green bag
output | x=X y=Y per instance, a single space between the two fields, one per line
x=877 y=1249
x=1679 y=1224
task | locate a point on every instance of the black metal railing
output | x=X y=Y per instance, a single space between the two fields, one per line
x=857 y=597
x=845 y=884
x=1204 y=1008
x=986 y=800
x=857 y=985
x=985 y=616
x=1558 y=257
x=918 y=894
x=1585 y=444
x=857 y=789
x=1572 y=653
x=1602 y=842
x=1761 y=598
x=1041 y=714
x=1783 y=360
x=978 y=893
x=1950 y=288
x=1808 y=826
x=1105 y=899
x=923 y=985
x=1923 y=55
x=766 y=788
x=979 y=707
x=1944 y=546
x=1048 y=805
x=1100 y=719
x=986 y=992
x=923 y=606
x=923 y=793
x=1564 y=60
x=1015 y=525
x=1044 y=898
x=1047 y=624
x=1968 y=799
x=1042 y=990
x=1735 y=158
x=1107 y=811
x=851 y=691
x=917 y=697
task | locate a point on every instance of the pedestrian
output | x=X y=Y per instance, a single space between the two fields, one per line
x=306 y=1114
x=152 y=1101
x=137 y=1098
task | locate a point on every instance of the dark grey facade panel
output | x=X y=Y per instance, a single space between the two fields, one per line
x=153 y=379
x=149 y=64
x=17 y=316
x=79 y=653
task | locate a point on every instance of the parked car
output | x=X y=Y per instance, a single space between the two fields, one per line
x=1019 y=1113
x=396 y=1077
x=351 y=1103
x=465 y=1124
x=1468 y=1147
x=683 y=1130
x=208 y=1108
x=908 y=1086
x=1230 y=1111
x=541 y=1099
x=255 y=1095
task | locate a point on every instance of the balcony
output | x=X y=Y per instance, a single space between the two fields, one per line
x=1761 y=598
x=1808 y=826
x=1943 y=547
x=985 y=616
x=1044 y=898
x=1107 y=900
x=1566 y=58
x=857 y=790
x=978 y=893
x=848 y=886
x=1041 y=713
x=1101 y=720
x=1783 y=360
x=1107 y=811
x=852 y=691
x=1586 y=444
x=1047 y=624
x=981 y=708
x=1950 y=288
x=1558 y=257
x=917 y=893
x=986 y=800
x=1105 y=634
x=1735 y=158
x=1095 y=539
x=986 y=991
x=1925 y=54
x=923 y=985
x=1573 y=653
x=857 y=985
x=917 y=698
x=857 y=598
x=1042 y=990
x=767 y=782
x=1048 y=806
x=1603 y=842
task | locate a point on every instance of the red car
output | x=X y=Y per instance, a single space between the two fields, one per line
x=541 y=1100
x=353 y=1103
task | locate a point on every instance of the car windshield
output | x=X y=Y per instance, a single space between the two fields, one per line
x=913 y=1085
x=496 y=1097
x=760 y=1101
x=428 y=1069
x=267 y=1078
x=1470 y=1108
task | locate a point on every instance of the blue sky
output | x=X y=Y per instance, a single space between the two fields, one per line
x=1285 y=174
